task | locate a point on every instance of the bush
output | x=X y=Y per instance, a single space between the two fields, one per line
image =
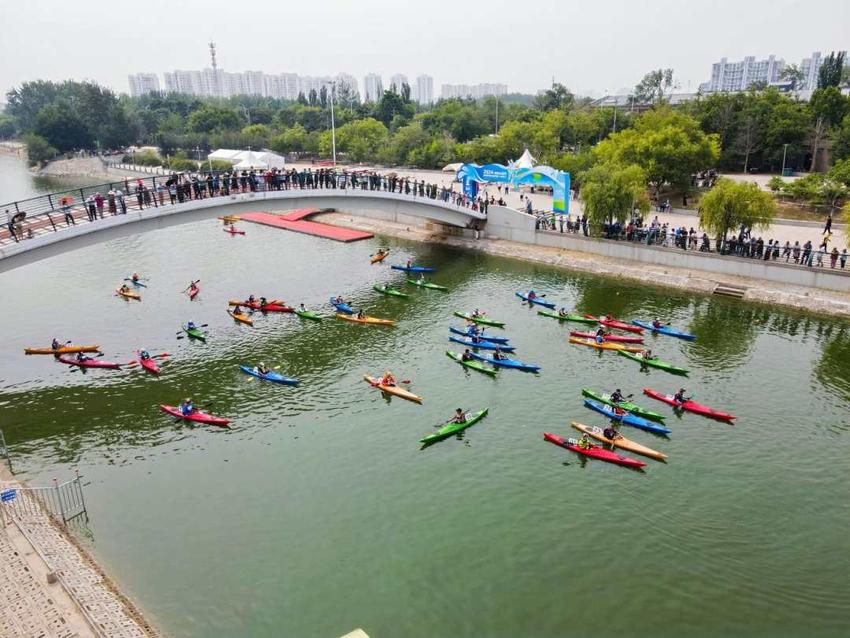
x=182 y=164
x=776 y=184
x=39 y=149
x=146 y=158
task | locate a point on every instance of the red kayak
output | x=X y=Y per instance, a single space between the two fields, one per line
x=89 y=363
x=194 y=290
x=616 y=324
x=148 y=364
x=594 y=451
x=197 y=415
x=269 y=307
x=607 y=337
x=690 y=406
x=234 y=232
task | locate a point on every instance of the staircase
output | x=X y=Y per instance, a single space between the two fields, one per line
x=730 y=290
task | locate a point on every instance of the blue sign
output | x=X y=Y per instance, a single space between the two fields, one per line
x=8 y=495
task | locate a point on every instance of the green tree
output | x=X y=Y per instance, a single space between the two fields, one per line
x=730 y=204
x=653 y=86
x=8 y=127
x=405 y=140
x=60 y=125
x=576 y=164
x=392 y=104
x=611 y=192
x=38 y=149
x=841 y=139
x=840 y=172
x=556 y=97
x=209 y=118
x=461 y=119
x=792 y=73
x=359 y=140
x=830 y=70
x=828 y=109
x=294 y=140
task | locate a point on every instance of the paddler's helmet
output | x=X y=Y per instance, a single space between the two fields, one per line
x=262 y=364
x=187 y=400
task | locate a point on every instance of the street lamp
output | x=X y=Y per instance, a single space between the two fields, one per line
x=333 y=126
x=784 y=152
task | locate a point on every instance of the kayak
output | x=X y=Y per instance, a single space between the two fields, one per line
x=607 y=337
x=617 y=325
x=621 y=442
x=482 y=345
x=230 y=219
x=629 y=419
x=255 y=305
x=689 y=406
x=197 y=416
x=664 y=330
x=555 y=315
x=428 y=284
x=413 y=268
x=342 y=307
x=62 y=350
x=453 y=428
x=401 y=393
x=148 y=364
x=367 y=320
x=537 y=300
x=392 y=292
x=129 y=294
x=507 y=363
x=594 y=451
x=135 y=283
x=306 y=314
x=233 y=232
x=474 y=365
x=606 y=345
x=193 y=292
x=269 y=376
x=628 y=406
x=490 y=338
x=484 y=321
x=374 y=259
x=241 y=318
x=655 y=363
x=195 y=333
x=89 y=363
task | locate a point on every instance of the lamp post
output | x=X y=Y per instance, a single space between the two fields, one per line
x=333 y=126
x=784 y=152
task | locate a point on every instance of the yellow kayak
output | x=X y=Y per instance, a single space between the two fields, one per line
x=401 y=393
x=129 y=294
x=606 y=345
x=238 y=316
x=379 y=257
x=622 y=442
x=62 y=350
x=368 y=320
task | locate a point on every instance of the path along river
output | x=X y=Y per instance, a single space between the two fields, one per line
x=318 y=512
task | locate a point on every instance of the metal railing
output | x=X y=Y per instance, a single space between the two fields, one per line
x=63 y=501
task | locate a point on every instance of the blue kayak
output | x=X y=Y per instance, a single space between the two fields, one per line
x=482 y=345
x=665 y=330
x=414 y=268
x=135 y=283
x=536 y=300
x=506 y=363
x=342 y=307
x=490 y=338
x=628 y=419
x=269 y=376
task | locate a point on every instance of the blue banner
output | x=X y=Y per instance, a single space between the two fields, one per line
x=8 y=495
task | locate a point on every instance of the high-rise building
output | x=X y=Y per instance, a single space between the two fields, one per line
x=424 y=89
x=188 y=82
x=397 y=81
x=476 y=91
x=739 y=76
x=143 y=83
x=373 y=87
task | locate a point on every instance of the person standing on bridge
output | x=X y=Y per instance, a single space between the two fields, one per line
x=110 y=201
x=90 y=208
x=98 y=202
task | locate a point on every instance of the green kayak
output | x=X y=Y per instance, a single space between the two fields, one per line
x=482 y=320
x=453 y=428
x=475 y=365
x=628 y=406
x=427 y=284
x=306 y=314
x=654 y=363
x=555 y=315
x=392 y=292
x=195 y=333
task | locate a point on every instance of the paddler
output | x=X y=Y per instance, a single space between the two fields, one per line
x=498 y=356
x=679 y=397
x=263 y=302
x=388 y=379
x=410 y=263
x=144 y=355
x=339 y=300
x=360 y=314
x=584 y=442
x=531 y=296
x=562 y=312
x=251 y=300
x=617 y=396
x=647 y=354
x=459 y=417
x=135 y=277
x=611 y=434
x=656 y=324
x=81 y=356
x=187 y=407
x=466 y=356
x=124 y=288
x=262 y=368
x=190 y=325
x=232 y=228
x=55 y=345
x=473 y=331
x=608 y=318
x=421 y=279
x=302 y=308
x=237 y=310
x=600 y=335
x=475 y=313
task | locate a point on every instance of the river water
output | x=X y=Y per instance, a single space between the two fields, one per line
x=317 y=512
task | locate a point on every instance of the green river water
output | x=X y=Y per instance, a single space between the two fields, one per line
x=317 y=512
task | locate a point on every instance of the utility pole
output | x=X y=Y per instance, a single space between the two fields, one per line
x=497 y=115
x=333 y=126
x=784 y=152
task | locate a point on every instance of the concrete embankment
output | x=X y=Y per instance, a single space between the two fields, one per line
x=77 y=166
x=753 y=289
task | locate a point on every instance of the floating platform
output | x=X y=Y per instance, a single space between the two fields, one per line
x=297 y=221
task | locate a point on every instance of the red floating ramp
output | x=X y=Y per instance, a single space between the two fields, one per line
x=297 y=221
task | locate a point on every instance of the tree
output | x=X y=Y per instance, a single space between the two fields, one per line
x=8 y=127
x=653 y=85
x=846 y=215
x=830 y=70
x=730 y=204
x=360 y=140
x=313 y=98
x=405 y=92
x=60 y=125
x=556 y=97
x=460 y=119
x=38 y=149
x=828 y=109
x=610 y=192
x=211 y=118
x=792 y=73
x=669 y=146
x=392 y=104
x=403 y=142
x=841 y=139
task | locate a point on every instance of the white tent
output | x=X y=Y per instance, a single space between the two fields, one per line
x=452 y=168
x=249 y=159
x=225 y=154
x=525 y=161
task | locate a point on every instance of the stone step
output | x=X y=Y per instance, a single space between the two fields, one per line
x=730 y=290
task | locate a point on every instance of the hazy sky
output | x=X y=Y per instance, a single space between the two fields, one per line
x=590 y=46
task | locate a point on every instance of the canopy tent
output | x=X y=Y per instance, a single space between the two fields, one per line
x=249 y=159
x=525 y=161
x=452 y=168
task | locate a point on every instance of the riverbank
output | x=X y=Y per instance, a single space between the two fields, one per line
x=51 y=586
x=756 y=290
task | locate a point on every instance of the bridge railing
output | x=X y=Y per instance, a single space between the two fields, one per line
x=52 y=212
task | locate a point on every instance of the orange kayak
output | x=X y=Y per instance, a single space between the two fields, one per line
x=129 y=294
x=367 y=320
x=62 y=350
x=607 y=345
x=242 y=318
x=401 y=393
x=379 y=257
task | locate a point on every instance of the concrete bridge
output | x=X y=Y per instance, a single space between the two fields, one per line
x=51 y=235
